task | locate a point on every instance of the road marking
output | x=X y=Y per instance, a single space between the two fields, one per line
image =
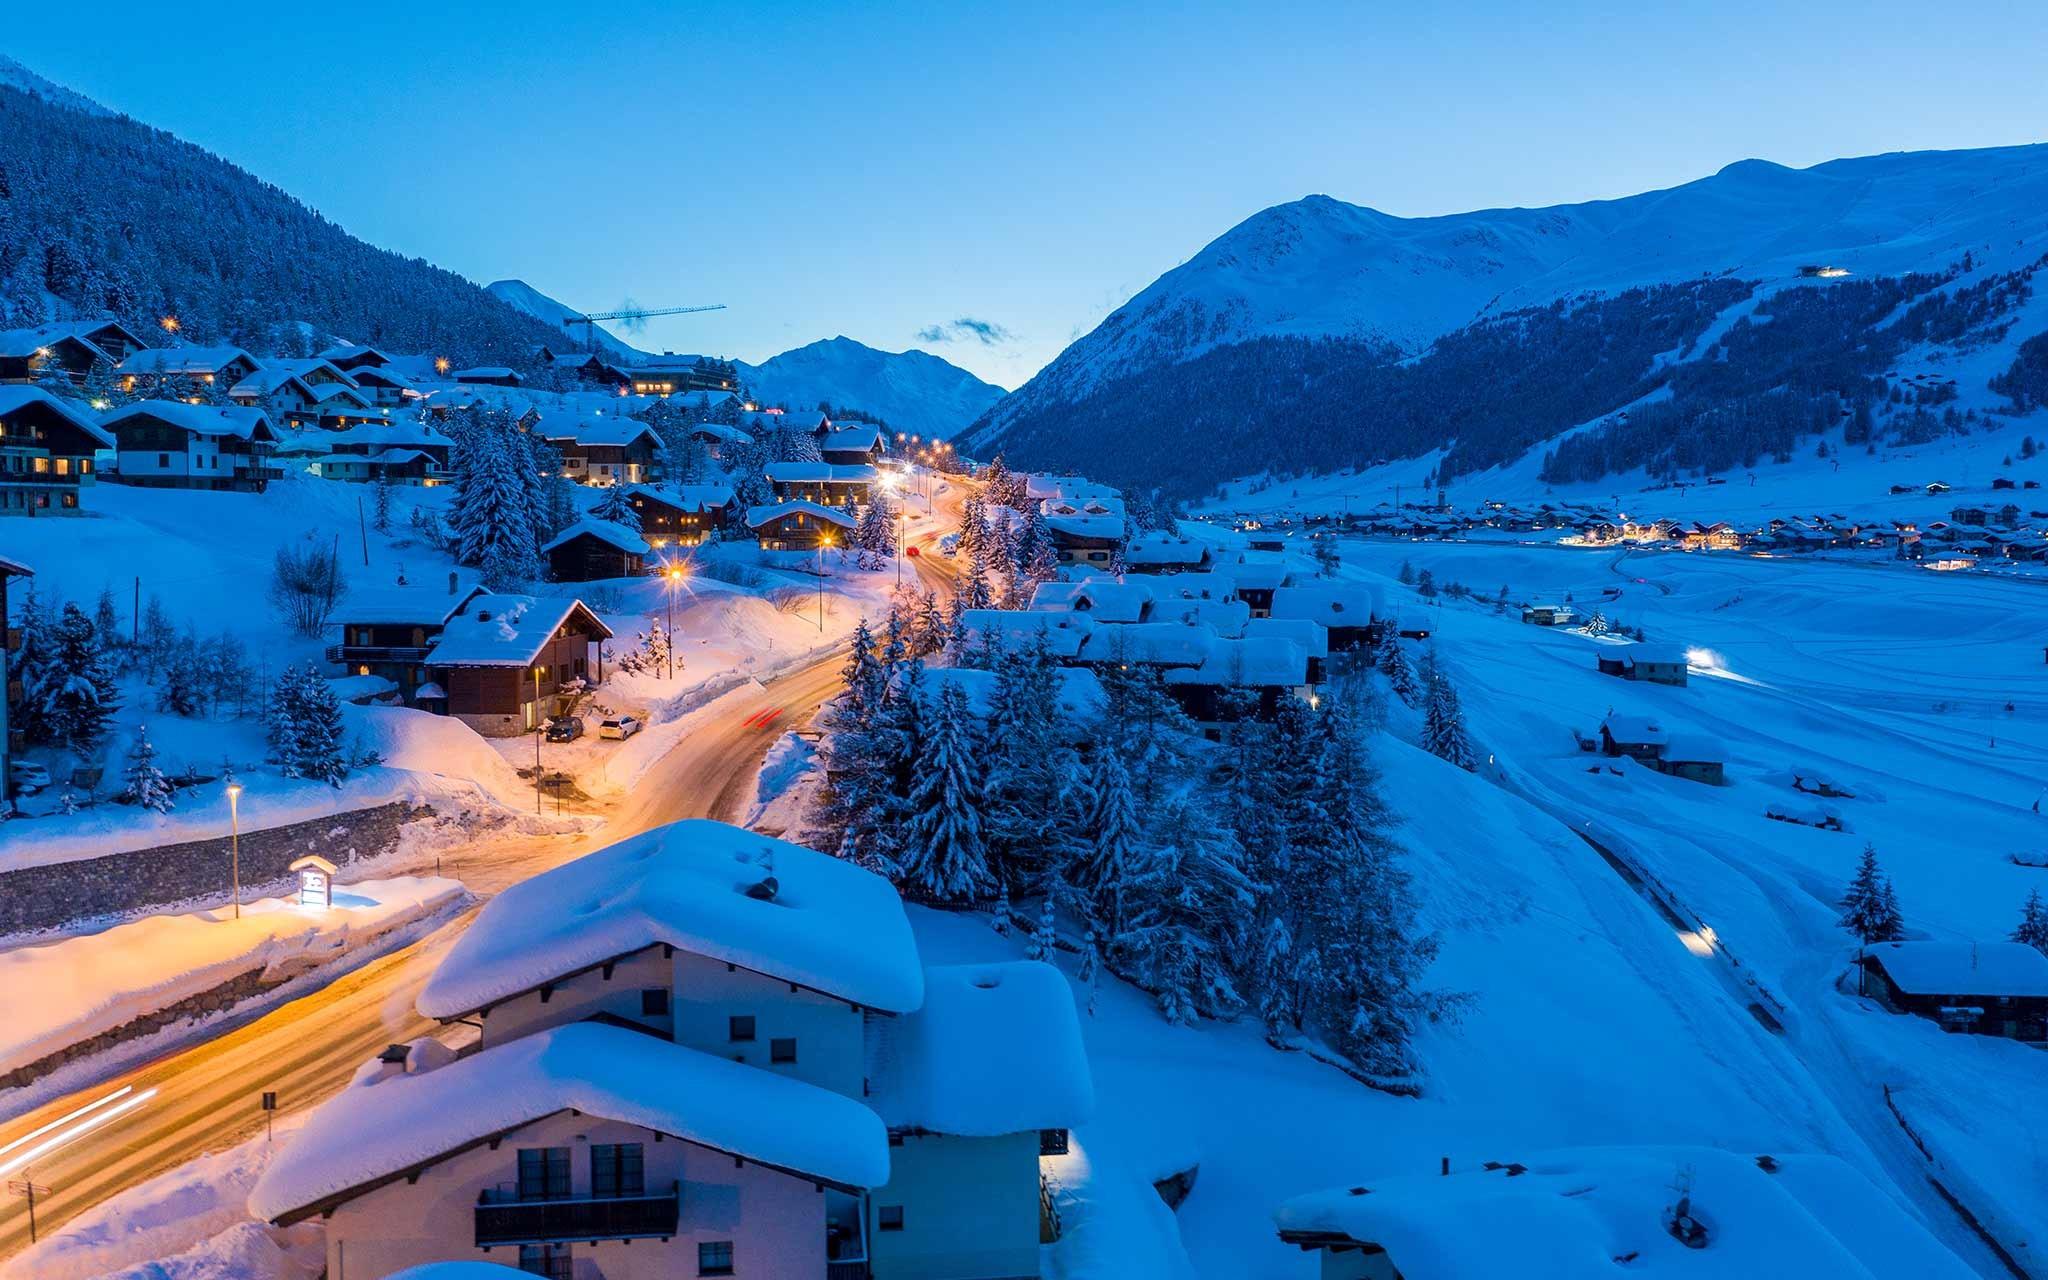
x=78 y=1130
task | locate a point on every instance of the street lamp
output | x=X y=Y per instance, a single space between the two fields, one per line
x=539 y=732
x=824 y=541
x=672 y=577
x=234 y=793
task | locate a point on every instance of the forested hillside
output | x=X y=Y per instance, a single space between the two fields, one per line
x=103 y=214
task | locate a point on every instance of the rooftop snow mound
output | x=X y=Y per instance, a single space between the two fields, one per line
x=830 y=926
x=996 y=1049
x=383 y=1123
x=1603 y=1211
x=1963 y=968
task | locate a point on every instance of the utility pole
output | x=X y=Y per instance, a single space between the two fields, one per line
x=363 y=529
x=135 y=617
x=23 y=1186
x=539 y=732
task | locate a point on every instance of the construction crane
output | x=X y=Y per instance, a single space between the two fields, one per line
x=589 y=322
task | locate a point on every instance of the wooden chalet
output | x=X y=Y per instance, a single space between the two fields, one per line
x=821 y=482
x=183 y=372
x=603 y=450
x=388 y=631
x=797 y=525
x=681 y=515
x=592 y=550
x=71 y=347
x=506 y=663
x=46 y=452
x=854 y=444
x=1657 y=664
x=1983 y=988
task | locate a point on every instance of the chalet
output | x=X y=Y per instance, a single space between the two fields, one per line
x=1088 y=532
x=682 y=515
x=349 y=358
x=1240 y=679
x=505 y=663
x=46 y=452
x=1699 y=1212
x=1158 y=551
x=592 y=550
x=797 y=525
x=668 y=374
x=1549 y=615
x=703 y=1052
x=1346 y=610
x=1227 y=618
x=1104 y=599
x=1655 y=663
x=1313 y=639
x=183 y=372
x=385 y=388
x=1414 y=624
x=602 y=449
x=823 y=482
x=1063 y=633
x=1255 y=581
x=293 y=391
x=1718 y=536
x=389 y=631
x=10 y=688
x=855 y=444
x=168 y=444
x=1692 y=758
x=1153 y=644
x=719 y=440
x=70 y=347
x=1637 y=737
x=400 y=452
x=490 y=375
x=1985 y=988
x=586 y=367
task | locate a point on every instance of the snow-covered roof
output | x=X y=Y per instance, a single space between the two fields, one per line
x=1313 y=638
x=241 y=422
x=861 y=436
x=1963 y=968
x=599 y=429
x=1105 y=599
x=1630 y=728
x=720 y=432
x=349 y=351
x=1214 y=585
x=1108 y=526
x=352 y=688
x=1156 y=546
x=1064 y=632
x=1690 y=748
x=686 y=497
x=758 y=516
x=1267 y=662
x=16 y=397
x=820 y=473
x=1257 y=575
x=1224 y=617
x=383 y=1124
x=484 y=371
x=1658 y=654
x=830 y=926
x=1169 y=644
x=1334 y=604
x=15 y=569
x=609 y=532
x=1579 y=1214
x=21 y=343
x=995 y=1049
x=505 y=630
x=183 y=360
x=431 y=603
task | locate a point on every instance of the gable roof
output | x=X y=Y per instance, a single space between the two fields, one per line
x=821 y=473
x=382 y=1126
x=241 y=422
x=1334 y=604
x=830 y=926
x=758 y=516
x=183 y=360
x=608 y=532
x=1998 y=968
x=13 y=399
x=686 y=497
x=429 y=603
x=506 y=630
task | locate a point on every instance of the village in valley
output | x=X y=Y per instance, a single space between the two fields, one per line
x=483 y=799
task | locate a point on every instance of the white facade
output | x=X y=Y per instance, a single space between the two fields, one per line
x=968 y=1208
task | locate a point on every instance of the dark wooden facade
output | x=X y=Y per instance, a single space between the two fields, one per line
x=46 y=456
x=664 y=523
x=589 y=558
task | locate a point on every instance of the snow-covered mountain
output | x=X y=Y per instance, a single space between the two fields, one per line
x=912 y=391
x=16 y=76
x=1319 y=268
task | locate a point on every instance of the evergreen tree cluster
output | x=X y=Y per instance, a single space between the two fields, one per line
x=303 y=728
x=1870 y=907
x=69 y=669
x=509 y=498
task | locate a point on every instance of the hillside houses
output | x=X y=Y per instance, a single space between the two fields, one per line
x=682 y=515
x=169 y=444
x=505 y=664
x=1996 y=988
x=704 y=1052
x=47 y=450
x=71 y=349
x=183 y=372
x=387 y=632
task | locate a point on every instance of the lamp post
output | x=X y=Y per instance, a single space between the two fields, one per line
x=824 y=541
x=539 y=732
x=672 y=577
x=234 y=793
x=890 y=485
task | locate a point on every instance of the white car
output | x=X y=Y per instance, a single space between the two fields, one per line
x=620 y=727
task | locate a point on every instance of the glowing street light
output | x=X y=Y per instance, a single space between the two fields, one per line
x=824 y=541
x=234 y=794
x=170 y=324
x=672 y=578
x=440 y=364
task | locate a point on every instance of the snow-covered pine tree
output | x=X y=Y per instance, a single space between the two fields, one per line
x=1189 y=904
x=380 y=506
x=2033 y=926
x=1108 y=856
x=1870 y=907
x=928 y=630
x=1391 y=661
x=1597 y=624
x=1045 y=937
x=973 y=525
x=945 y=856
x=1001 y=919
x=974 y=589
x=281 y=721
x=616 y=505
x=182 y=687
x=1443 y=720
x=318 y=751
x=76 y=690
x=144 y=782
x=1327 y=560
x=1039 y=559
x=106 y=620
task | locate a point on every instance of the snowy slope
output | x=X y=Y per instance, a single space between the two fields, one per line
x=541 y=307
x=15 y=76
x=913 y=391
x=1320 y=267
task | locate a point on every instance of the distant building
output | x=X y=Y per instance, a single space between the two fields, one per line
x=797 y=525
x=487 y=376
x=832 y=484
x=1549 y=615
x=183 y=372
x=682 y=515
x=592 y=550
x=46 y=453
x=1655 y=663
x=169 y=444
x=1985 y=988
x=71 y=347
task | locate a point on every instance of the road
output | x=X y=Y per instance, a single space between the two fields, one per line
x=206 y=1097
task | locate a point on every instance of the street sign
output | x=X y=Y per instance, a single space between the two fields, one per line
x=316 y=881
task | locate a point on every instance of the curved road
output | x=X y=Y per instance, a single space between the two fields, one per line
x=206 y=1096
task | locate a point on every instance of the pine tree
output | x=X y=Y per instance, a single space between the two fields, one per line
x=1870 y=907
x=380 y=506
x=1189 y=906
x=1597 y=624
x=1425 y=585
x=181 y=690
x=616 y=505
x=1327 y=561
x=1045 y=941
x=2033 y=926
x=1108 y=857
x=1392 y=662
x=1443 y=721
x=70 y=686
x=945 y=856
x=281 y=721
x=1000 y=919
x=145 y=783
x=318 y=752
x=106 y=620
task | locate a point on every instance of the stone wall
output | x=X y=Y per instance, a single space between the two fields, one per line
x=194 y=873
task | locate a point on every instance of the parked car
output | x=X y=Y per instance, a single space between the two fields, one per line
x=565 y=728
x=620 y=727
x=29 y=777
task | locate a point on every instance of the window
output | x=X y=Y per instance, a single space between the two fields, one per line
x=544 y=1173
x=163 y=459
x=739 y=1028
x=617 y=1170
x=550 y=1260
x=654 y=1002
x=782 y=1049
x=714 y=1258
x=1052 y=1142
x=889 y=1217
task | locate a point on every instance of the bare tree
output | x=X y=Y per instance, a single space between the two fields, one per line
x=305 y=584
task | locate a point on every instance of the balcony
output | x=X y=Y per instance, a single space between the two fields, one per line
x=377 y=653
x=502 y=1218
x=853 y=1270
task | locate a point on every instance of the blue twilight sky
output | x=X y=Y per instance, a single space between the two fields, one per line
x=887 y=171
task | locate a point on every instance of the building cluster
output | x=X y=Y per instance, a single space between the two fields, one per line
x=702 y=1052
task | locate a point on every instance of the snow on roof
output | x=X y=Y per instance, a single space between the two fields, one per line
x=1106 y=599
x=186 y=360
x=1313 y=638
x=600 y=429
x=1213 y=585
x=239 y=421
x=1691 y=748
x=15 y=398
x=15 y=568
x=1225 y=617
x=758 y=516
x=1963 y=968
x=432 y=603
x=1267 y=662
x=1594 y=1212
x=1156 y=546
x=484 y=371
x=1108 y=526
x=861 y=437
x=1625 y=728
x=19 y=343
x=1671 y=654
x=349 y=350
x=686 y=497
x=505 y=630
x=995 y=1049
x=1170 y=644
x=606 y=531
x=384 y=1124
x=719 y=431
x=1064 y=632
x=820 y=473
x=831 y=926
x=428 y=691
x=1334 y=604
x=352 y=688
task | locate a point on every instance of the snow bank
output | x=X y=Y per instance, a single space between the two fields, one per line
x=65 y=992
x=380 y=1123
